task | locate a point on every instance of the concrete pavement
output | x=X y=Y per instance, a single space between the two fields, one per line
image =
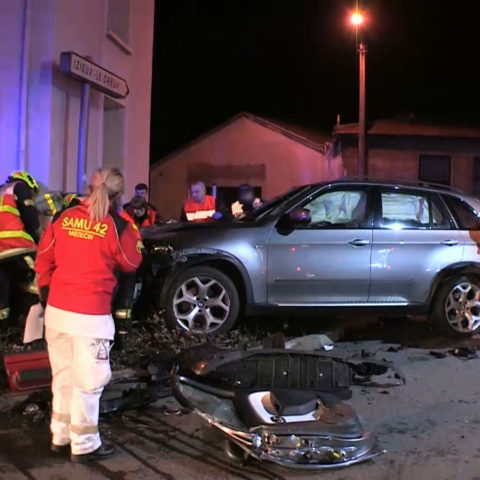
x=430 y=428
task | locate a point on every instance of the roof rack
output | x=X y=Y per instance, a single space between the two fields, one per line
x=421 y=183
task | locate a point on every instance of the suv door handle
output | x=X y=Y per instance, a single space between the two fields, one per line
x=358 y=242
x=449 y=243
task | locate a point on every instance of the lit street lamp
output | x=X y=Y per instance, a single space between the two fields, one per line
x=357 y=20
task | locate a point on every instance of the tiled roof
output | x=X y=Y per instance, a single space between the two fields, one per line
x=311 y=138
x=409 y=127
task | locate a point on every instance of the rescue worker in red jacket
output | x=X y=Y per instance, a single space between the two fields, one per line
x=141 y=191
x=139 y=212
x=78 y=255
x=199 y=207
x=19 y=230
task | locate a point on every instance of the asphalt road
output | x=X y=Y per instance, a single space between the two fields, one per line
x=430 y=427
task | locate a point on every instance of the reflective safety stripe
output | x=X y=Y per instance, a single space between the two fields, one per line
x=4 y=313
x=200 y=215
x=32 y=287
x=51 y=203
x=61 y=417
x=14 y=252
x=9 y=209
x=29 y=261
x=84 y=429
x=125 y=313
x=15 y=234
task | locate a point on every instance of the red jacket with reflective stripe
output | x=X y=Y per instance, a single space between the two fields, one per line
x=199 y=212
x=77 y=258
x=148 y=220
x=12 y=229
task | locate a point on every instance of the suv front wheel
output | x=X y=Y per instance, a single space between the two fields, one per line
x=202 y=300
x=456 y=308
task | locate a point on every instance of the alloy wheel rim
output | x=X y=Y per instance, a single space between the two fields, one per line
x=201 y=304
x=462 y=307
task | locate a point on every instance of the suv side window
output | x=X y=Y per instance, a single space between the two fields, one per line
x=410 y=210
x=338 y=209
x=463 y=213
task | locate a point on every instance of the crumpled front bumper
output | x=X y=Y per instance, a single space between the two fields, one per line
x=300 y=451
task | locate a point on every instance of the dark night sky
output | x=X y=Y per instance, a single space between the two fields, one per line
x=295 y=60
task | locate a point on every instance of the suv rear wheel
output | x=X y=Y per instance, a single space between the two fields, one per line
x=456 y=309
x=202 y=300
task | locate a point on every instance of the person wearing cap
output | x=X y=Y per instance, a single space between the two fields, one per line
x=19 y=234
x=247 y=202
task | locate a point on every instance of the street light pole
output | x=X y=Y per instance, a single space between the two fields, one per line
x=362 y=128
x=357 y=19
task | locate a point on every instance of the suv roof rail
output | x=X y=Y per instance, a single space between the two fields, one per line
x=421 y=183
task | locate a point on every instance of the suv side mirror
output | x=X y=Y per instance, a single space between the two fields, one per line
x=299 y=217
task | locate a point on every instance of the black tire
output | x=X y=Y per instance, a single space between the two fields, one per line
x=443 y=312
x=235 y=454
x=188 y=278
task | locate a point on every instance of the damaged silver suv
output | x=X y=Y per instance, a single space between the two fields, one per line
x=387 y=247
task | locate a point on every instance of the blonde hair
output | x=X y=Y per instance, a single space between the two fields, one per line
x=106 y=185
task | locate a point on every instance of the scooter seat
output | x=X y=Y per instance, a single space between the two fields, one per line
x=286 y=402
x=311 y=413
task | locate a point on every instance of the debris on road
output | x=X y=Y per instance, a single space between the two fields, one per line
x=435 y=354
x=283 y=405
x=310 y=343
x=465 y=353
x=27 y=371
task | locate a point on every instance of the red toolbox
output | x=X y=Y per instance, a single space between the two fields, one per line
x=28 y=371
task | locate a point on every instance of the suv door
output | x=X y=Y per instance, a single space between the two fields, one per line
x=327 y=261
x=413 y=239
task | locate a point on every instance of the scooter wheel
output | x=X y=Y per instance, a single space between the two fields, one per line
x=235 y=453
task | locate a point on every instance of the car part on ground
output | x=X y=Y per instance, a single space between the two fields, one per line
x=28 y=371
x=279 y=405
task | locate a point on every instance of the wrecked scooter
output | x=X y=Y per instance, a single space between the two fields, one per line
x=279 y=405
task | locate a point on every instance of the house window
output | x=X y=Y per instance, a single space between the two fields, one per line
x=113 y=134
x=435 y=169
x=476 y=176
x=118 y=22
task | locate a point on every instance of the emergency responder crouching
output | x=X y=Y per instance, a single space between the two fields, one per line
x=139 y=212
x=19 y=230
x=78 y=255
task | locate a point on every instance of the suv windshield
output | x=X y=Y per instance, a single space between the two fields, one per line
x=271 y=207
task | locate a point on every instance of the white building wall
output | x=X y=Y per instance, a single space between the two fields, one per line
x=11 y=19
x=49 y=123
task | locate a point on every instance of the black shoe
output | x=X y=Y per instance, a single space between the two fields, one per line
x=105 y=450
x=63 y=449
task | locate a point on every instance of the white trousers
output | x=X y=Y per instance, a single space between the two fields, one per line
x=80 y=370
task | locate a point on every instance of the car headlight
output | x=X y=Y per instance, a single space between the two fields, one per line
x=162 y=249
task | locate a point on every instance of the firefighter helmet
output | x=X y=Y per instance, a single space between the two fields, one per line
x=25 y=177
